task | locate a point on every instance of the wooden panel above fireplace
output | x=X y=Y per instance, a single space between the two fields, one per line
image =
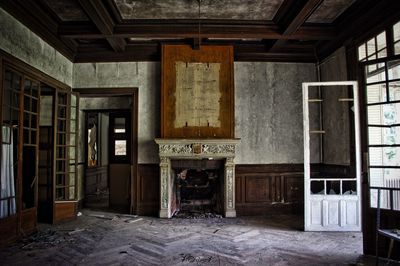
x=197 y=92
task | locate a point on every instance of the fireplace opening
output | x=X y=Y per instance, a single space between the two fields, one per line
x=198 y=188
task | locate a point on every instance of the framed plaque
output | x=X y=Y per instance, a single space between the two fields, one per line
x=197 y=92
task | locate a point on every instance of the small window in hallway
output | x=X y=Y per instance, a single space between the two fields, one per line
x=120 y=148
x=119 y=126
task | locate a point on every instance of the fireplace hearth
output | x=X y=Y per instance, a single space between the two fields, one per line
x=192 y=185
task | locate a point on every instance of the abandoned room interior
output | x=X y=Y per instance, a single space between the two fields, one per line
x=175 y=132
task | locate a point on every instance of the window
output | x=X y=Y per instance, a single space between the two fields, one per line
x=383 y=118
x=373 y=49
x=382 y=87
x=396 y=38
x=120 y=137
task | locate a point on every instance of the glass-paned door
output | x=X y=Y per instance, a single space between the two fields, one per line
x=66 y=121
x=30 y=143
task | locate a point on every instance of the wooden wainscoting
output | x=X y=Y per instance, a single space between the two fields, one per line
x=148 y=196
x=260 y=189
x=8 y=229
x=64 y=211
x=265 y=189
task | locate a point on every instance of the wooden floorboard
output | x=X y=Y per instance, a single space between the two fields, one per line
x=117 y=240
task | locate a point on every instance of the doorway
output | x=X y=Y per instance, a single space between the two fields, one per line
x=107 y=173
x=108 y=149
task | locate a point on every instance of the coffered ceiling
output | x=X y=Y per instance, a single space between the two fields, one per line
x=259 y=30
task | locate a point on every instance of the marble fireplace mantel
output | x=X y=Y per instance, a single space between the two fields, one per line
x=170 y=149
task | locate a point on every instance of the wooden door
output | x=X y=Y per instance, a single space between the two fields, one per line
x=120 y=160
x=65 y=175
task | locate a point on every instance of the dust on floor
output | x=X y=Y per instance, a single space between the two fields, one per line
x=98 y=238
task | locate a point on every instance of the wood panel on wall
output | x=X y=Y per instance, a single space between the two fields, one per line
x=64 y=211
x=148 y=195
x=266 y=189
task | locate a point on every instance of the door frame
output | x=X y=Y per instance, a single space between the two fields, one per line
x=134 y=93
x=340 y=199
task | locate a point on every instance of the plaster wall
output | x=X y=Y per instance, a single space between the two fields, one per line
x=269 y=111
x=143 y=75
x=19 y=41
x=336 y=115
x=268 y=106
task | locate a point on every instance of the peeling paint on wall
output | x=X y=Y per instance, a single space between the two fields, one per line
x=269 y=111
x=143 y=75
x=19 y=41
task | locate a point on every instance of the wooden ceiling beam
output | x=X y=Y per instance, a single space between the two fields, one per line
x=191 y=31
x=40 y=23
x=100 y=16
x=298 y=18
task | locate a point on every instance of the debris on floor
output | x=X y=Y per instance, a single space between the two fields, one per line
x=196 y=215
x=199 y=259
x=132 y=240
x=43 y=240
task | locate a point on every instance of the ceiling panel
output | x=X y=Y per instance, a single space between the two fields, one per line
x=67 y=10
x=188 y=9
x=329 y=10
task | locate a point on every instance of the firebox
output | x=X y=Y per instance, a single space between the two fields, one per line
x=204 y=171
x=198 y=186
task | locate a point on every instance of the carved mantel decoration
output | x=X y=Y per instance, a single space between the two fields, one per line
x=170 y=149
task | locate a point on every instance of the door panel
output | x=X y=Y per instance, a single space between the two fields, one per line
x=120 y=160
x=66 y=124
x=332 y=199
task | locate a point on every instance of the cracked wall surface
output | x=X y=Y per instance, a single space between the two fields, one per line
x=269 y=111
x=17 y=40
x=143 y=75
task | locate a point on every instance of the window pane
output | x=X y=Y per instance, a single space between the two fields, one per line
x=375 y=73
x=119 y=126
x=384 y=177
x=397 y=48
x=376 y=93
x=385 y=114
x=362 y=54
x=73 y=100
x=394 y=70
x=394 y=91
x=381 y=41
x=396 y=31
x=382 y=53
x=71 y=193
x=383 y=136
x=388 y=156
x=371 y=48
x=120 y=147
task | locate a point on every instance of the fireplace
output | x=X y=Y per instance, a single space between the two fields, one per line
x=208 y=185
x=198 y=188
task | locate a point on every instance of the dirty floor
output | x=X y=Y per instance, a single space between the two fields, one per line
x=99 y=238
